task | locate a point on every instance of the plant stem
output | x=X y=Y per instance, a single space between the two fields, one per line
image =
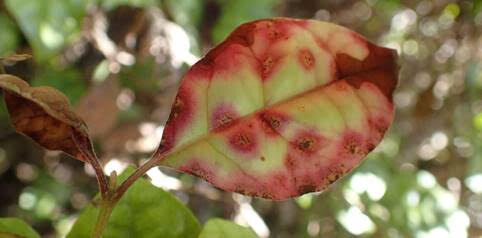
x=105 y=210
x=85 y=148
x=101 y=179
x=133 y=177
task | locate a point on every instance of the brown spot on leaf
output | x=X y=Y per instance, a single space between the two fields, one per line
x=267 y=66
x=353 y=144
x=306 y=188
x=306 y=59
x=305 y=144
x=308 y=143
x=272 y=123
x=197 y=169
x=243 y=141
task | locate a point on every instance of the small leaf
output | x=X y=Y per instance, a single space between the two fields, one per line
x=143 y=211
x=219 y=228
x=16 y=228
x=281 y=108
x=45 y=115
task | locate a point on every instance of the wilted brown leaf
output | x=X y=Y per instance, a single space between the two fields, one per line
x=45 y=115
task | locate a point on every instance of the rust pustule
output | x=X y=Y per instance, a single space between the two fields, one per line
x=243 y=141
x=306 y=59
x=305 y=144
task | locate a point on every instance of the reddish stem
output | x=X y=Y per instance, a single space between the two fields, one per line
x=85 y=148
x=136 y=175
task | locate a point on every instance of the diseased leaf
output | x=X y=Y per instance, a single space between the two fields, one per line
x=45 y=115
x=281 y=108
x=16 y=228
x=144 y=211
x=219 y=228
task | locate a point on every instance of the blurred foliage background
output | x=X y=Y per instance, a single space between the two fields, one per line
x=120 y=62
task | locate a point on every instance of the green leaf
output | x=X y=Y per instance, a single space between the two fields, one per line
x=67 y=80
x=143 y=211
x=48 y=24
x=16 y=228
x=140 y=77
x=281 y=108
x=187 y=13
x=234 y=13
x=9 y=36
x=219 y=228
x=111 y=4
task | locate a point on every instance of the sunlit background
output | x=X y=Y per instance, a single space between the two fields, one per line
x=120 y=62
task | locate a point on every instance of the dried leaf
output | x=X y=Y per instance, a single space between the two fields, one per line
x=281 y=108
x=45 y=115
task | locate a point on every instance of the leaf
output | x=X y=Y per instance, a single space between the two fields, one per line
x=48 y=24
x=45 y=115
x=235 y=12
x=68 y=80
x=219 y=228
x=281 y=108
x=143 y=211
x=16 y=228
x=9 y=38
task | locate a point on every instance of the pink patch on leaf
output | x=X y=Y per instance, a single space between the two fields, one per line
x=281 y=185
x=223 y=117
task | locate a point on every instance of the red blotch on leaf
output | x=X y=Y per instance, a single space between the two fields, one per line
x=243 y=141
x=180 y=117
